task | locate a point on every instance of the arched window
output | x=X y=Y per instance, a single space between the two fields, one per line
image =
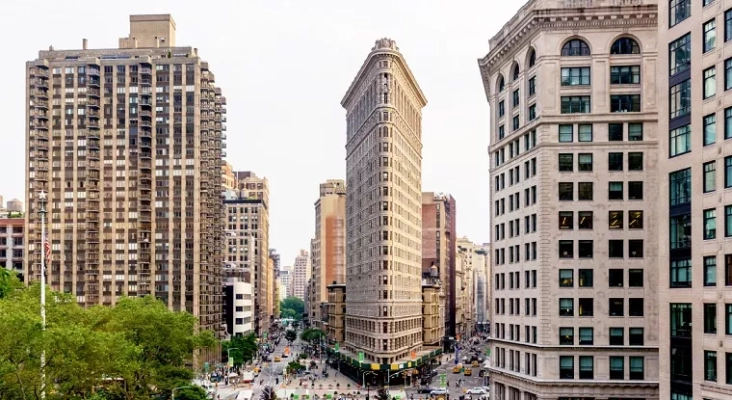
x=625 y=46
x=575 y=47
x=532 y=58
x=515 y=73
x=501 y=84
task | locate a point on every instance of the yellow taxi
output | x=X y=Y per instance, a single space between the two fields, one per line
x=475 y=364
x=468 y=372
x=277 y=359
x=456 y=369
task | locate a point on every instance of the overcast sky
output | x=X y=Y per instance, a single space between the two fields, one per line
x=284 y=67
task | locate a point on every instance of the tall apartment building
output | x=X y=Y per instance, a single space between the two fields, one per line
x=573 y=155
x=105 y=128
x=12 y=244
x=481 y=281
x=285 y=277
x=466 y=285
x=301 y=272
x=328 y=247
x=247 y=226
x=274 y=290
x=383 y=207
x=439 y=248
x=694 y=297
x=14 y=205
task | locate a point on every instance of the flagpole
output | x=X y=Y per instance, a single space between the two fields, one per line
x=42 y=212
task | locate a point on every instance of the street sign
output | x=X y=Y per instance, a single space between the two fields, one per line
x=443 y=380
x=360 y=356
x=231 y=362
x=488 y=352
x=337 y=347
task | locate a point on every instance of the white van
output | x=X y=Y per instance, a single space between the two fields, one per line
x=245 y=395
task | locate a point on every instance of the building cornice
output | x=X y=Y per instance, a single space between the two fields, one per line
x=513 y=38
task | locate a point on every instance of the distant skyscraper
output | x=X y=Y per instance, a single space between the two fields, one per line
x=300 y=275
x=328 y=252
x=14 y=205
x=247 y=226
x=228 y=179
x=127 y=143
x=383 y=219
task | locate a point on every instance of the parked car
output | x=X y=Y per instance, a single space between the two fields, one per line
x=424 y=389
x=477 y=390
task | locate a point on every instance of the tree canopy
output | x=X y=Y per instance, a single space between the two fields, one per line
x=243 y=348
x=137 y=349
x=312 y=335
x=292 y=307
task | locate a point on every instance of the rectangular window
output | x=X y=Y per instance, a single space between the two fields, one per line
x=680 y=320
x=566 y=307
x=575 y=104
x=635 y=248
x=617 y=337
x=501 y=109
x=635 y=278
x=532 y=112
x=516 y=98
x=585 y=248
x=584 y=219
x=635 y=307
x=710 y=317
x=532 y=86
x=566 y=278
x=635 y=336
x=710 y=224
x=566 y=336
x=515 y=123
x=635 y=132
x=586 y=336
x=566 y=367
x=501 y=132
x=710 y=366
x=680 y=273
x=728 y=319
x=566 y=191
x=616 y=307
x=680 y=231
x=679 y=10
x=625 y=103
x=710 y=35
x=727 y=25
x=615 y=248
x=584 y=191
x=584 y=132
x=615 y=190
x=584 y=162
x=617 y=368
x=585 y=278
x=635 y=219
x=566 y=249
x=625 y=75
x=710 y=129
x=566 y=220
x=680 y=50
x=727 y=221
x=586 y=307
x=615 y=277
x=586 y=370
x=615 y=220
x=710 y=271
x=615 y=161
x=680 y=141
x=728 y=73
x=566 y=162
x=710 y=82
x=728 y=368
x=615 y=132
x=575 y=76
x=710 y=176
x=566 y=133
x=680 y=187
x=728 y=172
x=680 y=99
x=728 y=123
x=636 y=368
x=635 y=161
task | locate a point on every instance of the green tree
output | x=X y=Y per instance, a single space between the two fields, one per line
x=292 y=307
x=243 y=348
x=8 y=282
x=294 y=366
x=312 y=335
x=191 y=393
x=290 y=335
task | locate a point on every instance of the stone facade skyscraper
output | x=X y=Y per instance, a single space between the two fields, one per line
x=383 y=208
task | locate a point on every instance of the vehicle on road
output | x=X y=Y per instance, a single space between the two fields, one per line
x=245 y=395
x=277 y=359
x=439 y=391
x=456 y=369
x=468 y=372
x=247 y=376
x=425 y=389
x=477 y=390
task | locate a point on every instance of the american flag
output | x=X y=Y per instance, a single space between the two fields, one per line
x=47 y=248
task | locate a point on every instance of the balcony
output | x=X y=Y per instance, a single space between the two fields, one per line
x=92 y=82
x=93 y=124
x=145 y=143
x=145 y=216
x=93 y=113
x=92 y=143
x=41 y=70
x=40 y=166
x=41 y=145
x=92 y=71
x=145 y=133
x=146 y=71
x=40 y=124
x=145 y=164
x=41 y=176
x=145 y=186
x=145 y=123
x=41 y=83
x=93 y=154
x=145 y=82
x=92 y=206
x=145 y=227
x=93 y=92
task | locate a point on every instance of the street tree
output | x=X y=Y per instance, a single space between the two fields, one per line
x=312 y=335
x=292 y=307
x=290 y=335
x=243 y=348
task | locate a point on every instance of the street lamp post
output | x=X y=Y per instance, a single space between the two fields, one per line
x=388 y=381
x=42 y=212
x=172 y=394
x=363 y=380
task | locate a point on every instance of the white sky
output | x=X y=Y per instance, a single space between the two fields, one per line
x=284 y=67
